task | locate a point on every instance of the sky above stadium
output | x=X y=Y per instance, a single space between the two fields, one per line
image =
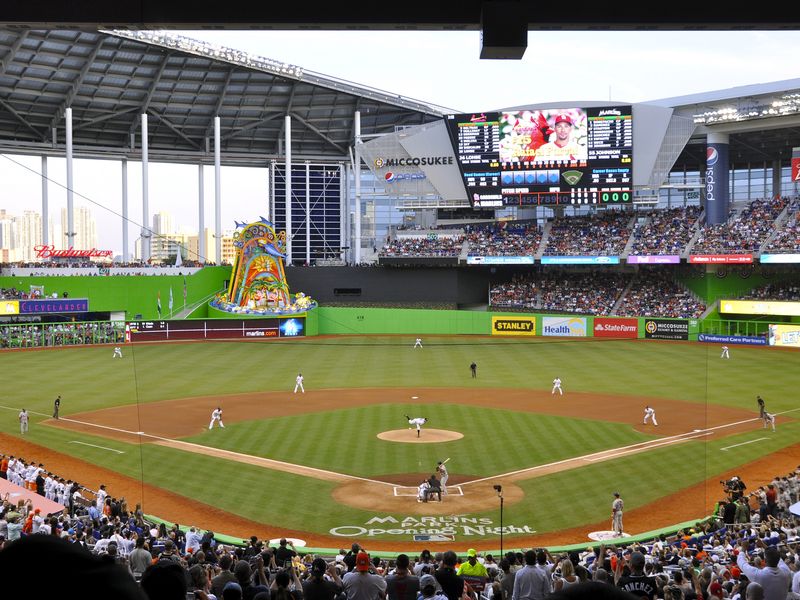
x=439 y=67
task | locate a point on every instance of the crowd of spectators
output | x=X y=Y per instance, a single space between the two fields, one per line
x=13 y=293
x=61 y=334
x=427 y=246
x=784 y=290
x=665 y=231
x=787 y=238
x=751 y=541
x=654 y=293
x=591 y=293
x=504 y=239
x=745 y=232
x=601 y=234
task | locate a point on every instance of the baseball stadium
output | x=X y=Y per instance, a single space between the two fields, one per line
x=531 y=339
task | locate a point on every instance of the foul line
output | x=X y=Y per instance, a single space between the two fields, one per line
x=237 y=456
x=331 y=475
x=96 y=446
x=744 y=443
x=639 y=447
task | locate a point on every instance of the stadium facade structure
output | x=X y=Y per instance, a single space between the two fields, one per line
x=150 y=96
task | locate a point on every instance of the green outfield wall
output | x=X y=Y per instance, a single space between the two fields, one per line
x=365 y=321
x=132 y=294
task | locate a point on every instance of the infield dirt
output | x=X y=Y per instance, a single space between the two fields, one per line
x=175 y=419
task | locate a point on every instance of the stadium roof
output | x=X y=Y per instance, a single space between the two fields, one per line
x=110 y=78
x=444 y=15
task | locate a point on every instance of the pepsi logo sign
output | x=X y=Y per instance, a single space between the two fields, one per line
x=712 y=156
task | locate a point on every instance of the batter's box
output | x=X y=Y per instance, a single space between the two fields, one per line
x=411 y=492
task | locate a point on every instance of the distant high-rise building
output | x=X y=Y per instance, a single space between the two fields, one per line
x=85 y=237
x=28 y=234
x=163 y=224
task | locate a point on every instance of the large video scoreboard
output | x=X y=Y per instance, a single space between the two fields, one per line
x=550 y=156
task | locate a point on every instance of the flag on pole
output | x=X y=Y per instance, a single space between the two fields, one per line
x=170 y=299
x=158 y=303
x=184 y=291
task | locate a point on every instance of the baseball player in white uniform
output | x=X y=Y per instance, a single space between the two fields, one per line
x=769 y=419
x=216 y=416
x=117 y=352
x=101 y=496
x=725 y=353
x=650 y=413
x=557 y=386
x=417 y=421
x=298 y=383
x=418 y=343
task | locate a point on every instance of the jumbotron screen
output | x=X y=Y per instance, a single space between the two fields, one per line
x=545 y=156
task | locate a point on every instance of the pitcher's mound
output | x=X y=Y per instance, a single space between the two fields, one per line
x=426 y=436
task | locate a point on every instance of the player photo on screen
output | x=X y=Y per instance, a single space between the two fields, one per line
x=556 y=136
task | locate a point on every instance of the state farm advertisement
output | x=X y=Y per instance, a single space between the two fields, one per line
x=616 y=328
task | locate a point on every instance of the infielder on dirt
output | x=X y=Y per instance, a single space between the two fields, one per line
x=215 y=417
x=650 y=413
x=557 y=386
x=298 y=383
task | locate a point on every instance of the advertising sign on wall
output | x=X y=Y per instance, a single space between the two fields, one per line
x=784 y=335
x=580 y=260
x=760 y=307
x=500 y=260
x=9 y=307
x=513 y=326
x=616 y=328
x=780 y=258
x=721 y=259
x=564 y=326
x=662 y=329
x=55 y=305
x=654 y=259
x=748 y=340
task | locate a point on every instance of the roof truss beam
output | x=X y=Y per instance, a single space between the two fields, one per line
x=175 y=130
x=67 y=103
x=218 y=106
x=310 y=127
x=21 y=119
x=151 y=89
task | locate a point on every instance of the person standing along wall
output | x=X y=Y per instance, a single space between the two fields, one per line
x=616 y=515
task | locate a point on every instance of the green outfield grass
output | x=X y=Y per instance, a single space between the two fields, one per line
x=495 y=441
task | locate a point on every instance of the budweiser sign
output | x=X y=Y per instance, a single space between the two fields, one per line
x=51 y=252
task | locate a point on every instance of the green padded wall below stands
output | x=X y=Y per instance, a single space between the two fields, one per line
x=724 y=282
x=133 y=294
x=343 y=321
x=360 y=321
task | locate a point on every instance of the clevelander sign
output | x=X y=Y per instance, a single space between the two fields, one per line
x=512 y=326
x=564 y=326
x=616 y=328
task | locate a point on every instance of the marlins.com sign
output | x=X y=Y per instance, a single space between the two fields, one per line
x=507 y=326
